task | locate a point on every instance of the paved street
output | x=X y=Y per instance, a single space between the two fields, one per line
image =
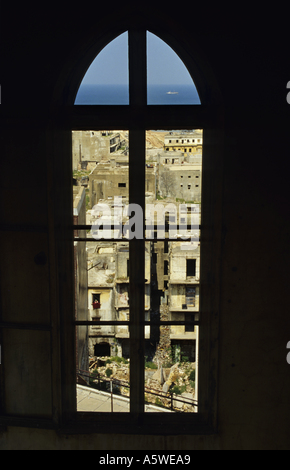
x=89 y=399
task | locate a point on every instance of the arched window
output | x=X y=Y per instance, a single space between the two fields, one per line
x=106 y=81
x=130 y=247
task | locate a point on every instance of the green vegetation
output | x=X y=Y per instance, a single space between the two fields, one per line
x=117 y=359
x=178 y=390
x=151 y=365
x=79 y=173
x=192 y=375
x=183 y=201
x=109 y=372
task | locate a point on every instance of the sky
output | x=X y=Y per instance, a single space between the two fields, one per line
x=163 y=67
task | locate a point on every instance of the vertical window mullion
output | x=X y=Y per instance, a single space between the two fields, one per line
x=137 y=68
x=137 y=159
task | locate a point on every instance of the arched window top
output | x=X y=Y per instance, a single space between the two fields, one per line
x=168 y=80
x=106 y=81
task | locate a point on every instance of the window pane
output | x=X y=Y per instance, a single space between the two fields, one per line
x=173 y=159
x=171 y=378
x=100 y=196
x=105 y=386
x=103 y=350
x=106 y=81
x=172 y=268
x=169 y=82
x=100 y=171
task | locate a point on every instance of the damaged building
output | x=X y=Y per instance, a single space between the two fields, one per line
x=181 y=176
x=183 y=295
x=91 y=147
x=176 y=266
x=108 y=296
x=81 y=278
x=186 y=142
x=109 y=179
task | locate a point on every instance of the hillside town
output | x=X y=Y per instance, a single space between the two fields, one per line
x=172 y=268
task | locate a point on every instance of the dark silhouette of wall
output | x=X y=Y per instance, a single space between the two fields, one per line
x=246 y=52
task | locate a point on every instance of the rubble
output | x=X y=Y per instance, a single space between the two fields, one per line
x=162 y=381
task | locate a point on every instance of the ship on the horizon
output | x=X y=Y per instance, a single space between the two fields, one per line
x=172 y=92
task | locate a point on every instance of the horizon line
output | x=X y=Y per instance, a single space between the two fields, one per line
x=148 y=84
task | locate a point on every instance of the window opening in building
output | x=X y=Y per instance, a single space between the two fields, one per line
x=96 y=301
x=118 y=255
x=190 y=267
x=190 y=296
x=102 y=270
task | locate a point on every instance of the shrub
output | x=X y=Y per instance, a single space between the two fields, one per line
x=151 y=365
x=109 y=372
x=192 y=375
x=119 y=360
x=175 y=389
x=185 y=359
x=178 y=390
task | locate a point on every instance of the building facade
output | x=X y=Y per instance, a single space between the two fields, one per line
x=186 y=142
x=81 y=278
x=183 y=295
x=109 y=180
x=108 y=296
x=90 y=147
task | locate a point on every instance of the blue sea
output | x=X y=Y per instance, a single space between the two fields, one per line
x=119 y=95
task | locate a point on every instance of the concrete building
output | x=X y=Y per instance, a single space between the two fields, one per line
x=186 y=142
x=183 y=294
x=181 y=181
x=108 y=296
x=90 y=147
x=108 y=180
x=176 y=267
x=81 y=278
x=171 y=157
x=178 y=158
x=101 y=266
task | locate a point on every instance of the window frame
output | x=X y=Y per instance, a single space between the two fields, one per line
x=137 y=117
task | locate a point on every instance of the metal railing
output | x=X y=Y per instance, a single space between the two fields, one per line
x=168 y=397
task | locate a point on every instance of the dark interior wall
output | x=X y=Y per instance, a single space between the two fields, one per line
x=246 y=52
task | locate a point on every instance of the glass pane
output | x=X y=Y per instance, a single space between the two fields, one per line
x=100 y=174
x=103 y=351
x=169 y=81
x=106 y=81
x=171 y=377
x=173 y=210
x=105 y=386
x=100 y=198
